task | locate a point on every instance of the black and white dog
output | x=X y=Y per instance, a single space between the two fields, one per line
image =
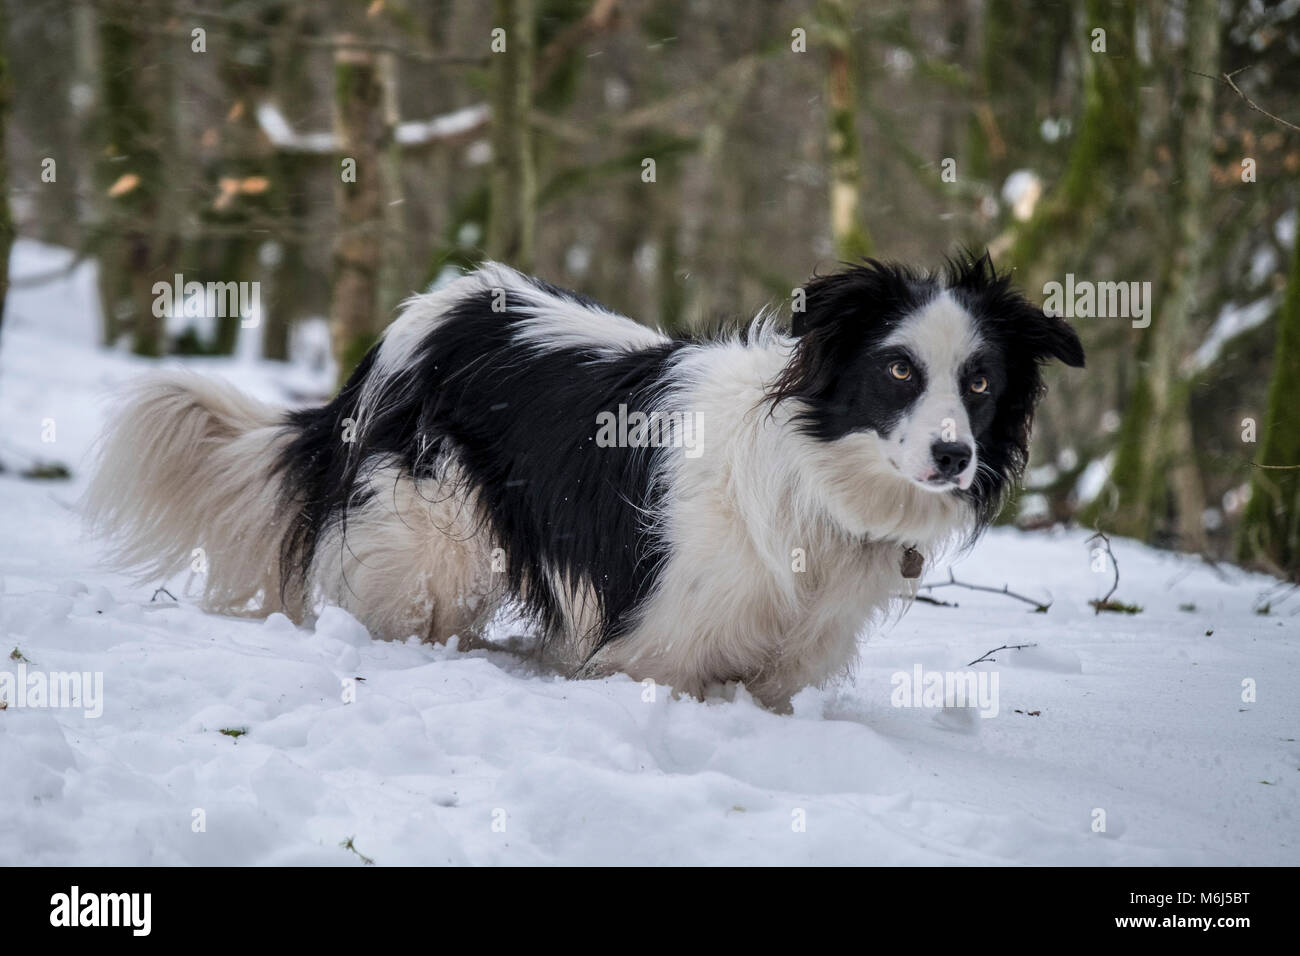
x=693 y=511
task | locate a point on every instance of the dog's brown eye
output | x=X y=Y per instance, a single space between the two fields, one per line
x=979 y=385
x=901 y=371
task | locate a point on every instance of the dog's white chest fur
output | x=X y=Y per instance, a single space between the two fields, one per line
x=781 y=549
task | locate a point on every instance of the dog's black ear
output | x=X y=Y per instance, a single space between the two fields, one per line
x=1057 y=340
x=1045 y=336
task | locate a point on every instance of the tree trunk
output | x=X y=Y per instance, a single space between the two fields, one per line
x=1269 y=535
x=848 y=232
x=293 y=288
x=291 y=281
x=1156 y=439
x=1103 y=147
x=6 y=218
x=89 y=200
x=512 y=224
x=364 y=136
x=394 y=267
x=1021 y=45
x=135 y=241
x=242 y=181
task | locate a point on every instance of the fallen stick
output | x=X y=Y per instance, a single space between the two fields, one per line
x=1039 y=606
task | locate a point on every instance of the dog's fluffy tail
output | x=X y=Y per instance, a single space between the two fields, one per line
x=187 y=479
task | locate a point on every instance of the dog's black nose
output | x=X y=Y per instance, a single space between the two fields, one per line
x=950 y=457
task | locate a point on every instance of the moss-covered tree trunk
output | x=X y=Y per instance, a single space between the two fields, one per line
x=295 y=291
x=364 y=137
x=1021 y=42
x=848 y=232
x=670 y=296
x=1269 y=535
x=512 y=223
x=6 y=217
x=1155 y=464
x=291 y=281
x=134 y=244
x=241 y=180
x=1102 y=152
x=394 y=267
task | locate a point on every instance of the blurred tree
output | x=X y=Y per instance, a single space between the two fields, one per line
x=135 y=243
x=363 y=135
x=1101 y=153
x=849 y=233
x=512 y=226
x=1155 y=457
x=292 y=284
x=239 y=171
x=6 y=218
x=1023 y=44
x=1269 y=534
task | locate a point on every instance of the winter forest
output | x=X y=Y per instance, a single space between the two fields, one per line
x=690 y=162
x=252 y=188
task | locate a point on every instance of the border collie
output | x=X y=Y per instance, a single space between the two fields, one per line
x=696 y=512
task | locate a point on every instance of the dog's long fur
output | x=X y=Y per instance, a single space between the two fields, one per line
x=459 y=470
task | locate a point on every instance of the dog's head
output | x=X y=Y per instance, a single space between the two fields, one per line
x=928 y=380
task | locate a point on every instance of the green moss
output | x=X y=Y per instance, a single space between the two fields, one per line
x=47 y=471
x=1103 y=146
x=345 y=80
x=854 y=245
x=1122 y=507
x=353 y=353
x=1269 y=533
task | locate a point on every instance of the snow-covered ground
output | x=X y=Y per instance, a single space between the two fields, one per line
x=482 y=758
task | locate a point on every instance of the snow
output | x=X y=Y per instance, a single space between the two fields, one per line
x=1093 y=480
x=1021 y=191
x=458 y=123
x=1232 y=321
x=486 y=758
x=282 y=135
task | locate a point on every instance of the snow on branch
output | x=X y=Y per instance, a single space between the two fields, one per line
x=284 y=137
x=440 y=129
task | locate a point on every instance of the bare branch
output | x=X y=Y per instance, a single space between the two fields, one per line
x=926 y=599
x=1252 y=104
x=1113 y=563
x=1038 y=606
x=601 y=17
x=984 y=658
x=1228 y=79
x=1106 y=604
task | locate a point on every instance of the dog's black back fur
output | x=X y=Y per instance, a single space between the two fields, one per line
x=559 y=506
